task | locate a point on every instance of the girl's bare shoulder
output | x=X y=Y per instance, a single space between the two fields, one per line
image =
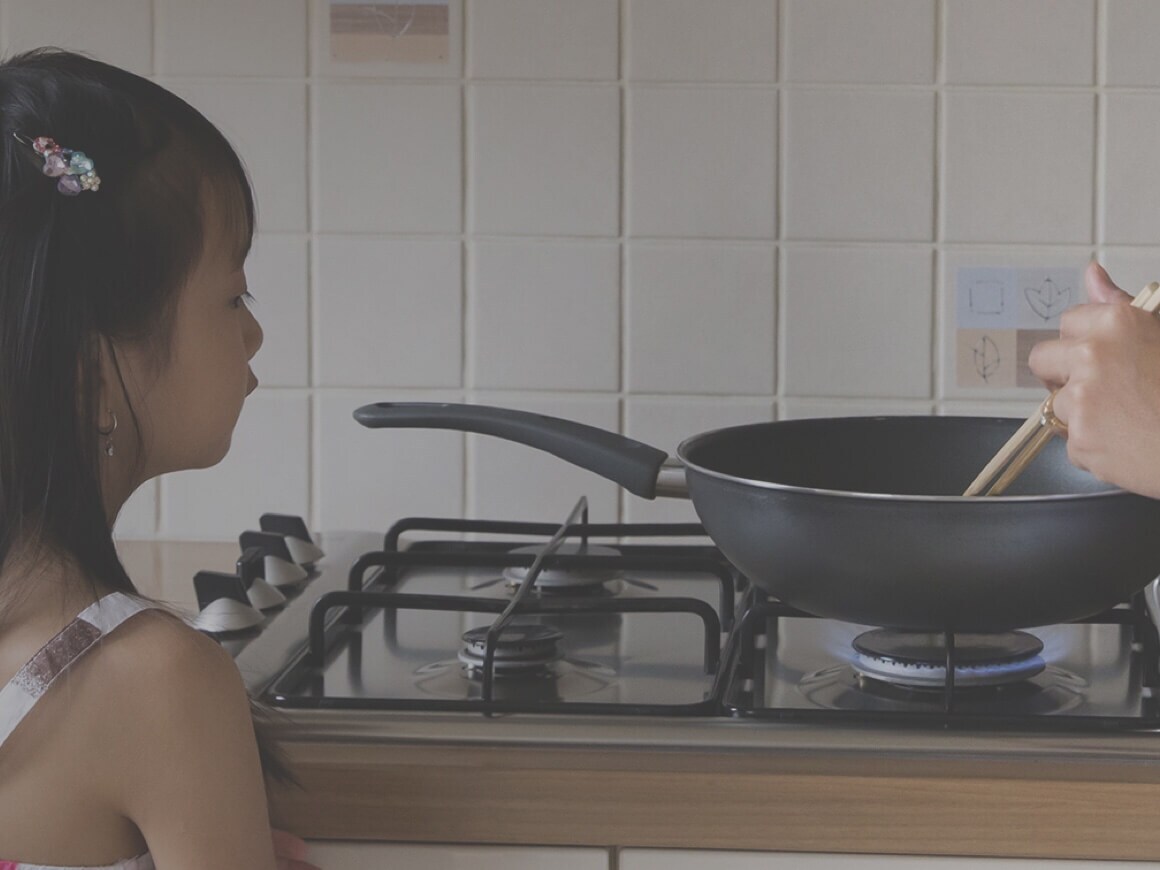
x=156 y=662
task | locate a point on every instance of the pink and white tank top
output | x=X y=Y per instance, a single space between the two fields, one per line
x=53 y=659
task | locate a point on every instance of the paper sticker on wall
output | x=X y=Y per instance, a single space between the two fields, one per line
x=1046 y=294
x=415 y=32
x=985 y=358
x=986 y=298
x=1000 y=314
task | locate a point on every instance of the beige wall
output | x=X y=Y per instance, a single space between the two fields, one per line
x=657 y=216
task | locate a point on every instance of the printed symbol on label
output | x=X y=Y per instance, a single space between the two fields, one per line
x=395 y=18
x=1049 y=299
x=986 y=297
x=987 y=359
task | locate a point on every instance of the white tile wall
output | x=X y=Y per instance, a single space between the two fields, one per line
x=387 y=157
x=1020 y=42
x=701 y=162
x=1132 y=189
x=546 y=315
x=228 y=38
x=860 y=41
x=545 y=39
x=1127 y=49
x=584 y=208
x=858 y=322
x=1018 y=167
x=676 y=41
x=116 y=31
x=544 y=159
x=862 y=165
x=388 y=311
x=699 y=318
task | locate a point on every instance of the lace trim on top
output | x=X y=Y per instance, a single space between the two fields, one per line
x=52 y=660
x=141 y=862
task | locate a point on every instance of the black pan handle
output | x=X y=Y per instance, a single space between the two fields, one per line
x=630 y=463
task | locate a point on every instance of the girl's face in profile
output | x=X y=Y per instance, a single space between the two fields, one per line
x=188 y=407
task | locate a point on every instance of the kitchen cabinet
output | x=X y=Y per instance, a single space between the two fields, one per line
x=683 y=859
x=372 y=856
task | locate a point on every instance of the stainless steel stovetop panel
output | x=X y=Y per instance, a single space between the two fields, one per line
x=263 y=657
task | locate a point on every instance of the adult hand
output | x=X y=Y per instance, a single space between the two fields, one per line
x=291 y=852
x=1106 y=365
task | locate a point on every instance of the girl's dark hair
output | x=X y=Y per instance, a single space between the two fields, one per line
x=79 y=272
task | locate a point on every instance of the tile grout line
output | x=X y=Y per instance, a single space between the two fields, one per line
x=622 y=500
x=1099 y=146
x=467 y=452
x=938 y=302
x=313 y=404
x=781 y=144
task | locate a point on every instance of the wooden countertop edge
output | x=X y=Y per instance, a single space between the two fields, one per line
x=682 y=799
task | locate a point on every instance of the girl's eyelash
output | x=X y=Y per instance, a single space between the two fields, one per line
x=246 y=299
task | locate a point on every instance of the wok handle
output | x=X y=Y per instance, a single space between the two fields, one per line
x=632 y=464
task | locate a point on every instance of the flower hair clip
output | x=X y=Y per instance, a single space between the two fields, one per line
x=74 y=170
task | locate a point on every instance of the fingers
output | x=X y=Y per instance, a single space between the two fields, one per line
x=1062 y=406
x=291 y=864
x=1049 y=362
x=286 y=845
x=1100 y=287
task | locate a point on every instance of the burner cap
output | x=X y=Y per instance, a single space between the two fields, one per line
x=520 y=649
x=918 y=659
x=560 y=580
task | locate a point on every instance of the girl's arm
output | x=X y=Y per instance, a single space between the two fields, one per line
x=189 y=774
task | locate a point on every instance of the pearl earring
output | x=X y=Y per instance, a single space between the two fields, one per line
x=107 y=434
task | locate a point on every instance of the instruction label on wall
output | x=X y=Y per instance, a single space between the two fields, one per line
x=415 y=32
x=1000 y=314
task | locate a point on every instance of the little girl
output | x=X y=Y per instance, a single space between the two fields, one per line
x=126 y=737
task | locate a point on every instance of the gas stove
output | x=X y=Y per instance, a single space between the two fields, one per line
x=485 y=630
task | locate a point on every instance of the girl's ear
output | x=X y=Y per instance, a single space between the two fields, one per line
x=108 y=385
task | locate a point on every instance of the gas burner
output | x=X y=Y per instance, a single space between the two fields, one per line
x=917 y=660
x=568 y=581
x=520 y=649
x=1051 y=692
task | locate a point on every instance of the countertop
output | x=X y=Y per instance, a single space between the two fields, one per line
x=617 y=781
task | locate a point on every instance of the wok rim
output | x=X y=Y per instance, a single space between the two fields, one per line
x=692 y=441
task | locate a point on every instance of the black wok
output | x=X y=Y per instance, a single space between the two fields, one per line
x=858 y=519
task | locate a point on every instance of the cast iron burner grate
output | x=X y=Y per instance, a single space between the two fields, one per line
x=495 y=667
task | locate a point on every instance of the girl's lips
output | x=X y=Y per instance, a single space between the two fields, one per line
x=253 y=385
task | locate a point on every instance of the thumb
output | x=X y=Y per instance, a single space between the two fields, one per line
x=1100 y=287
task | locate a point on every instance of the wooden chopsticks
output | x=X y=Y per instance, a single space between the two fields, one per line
x=1038 y=429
